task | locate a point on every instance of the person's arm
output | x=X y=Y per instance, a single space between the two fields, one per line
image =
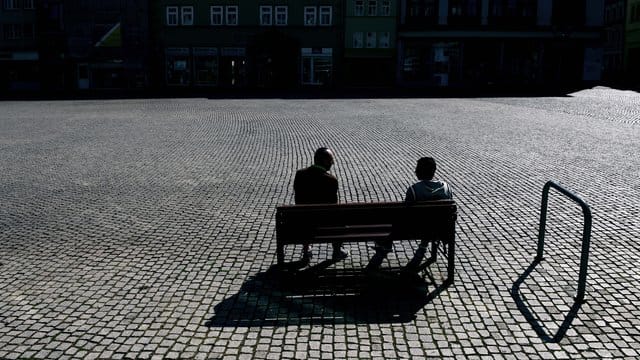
x=334 y=191
x=448 y=191
x=411 y=195
x=296 y=189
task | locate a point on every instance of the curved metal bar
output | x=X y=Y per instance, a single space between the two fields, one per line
x=586 y=232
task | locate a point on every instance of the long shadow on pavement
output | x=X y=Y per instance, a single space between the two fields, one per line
x=536 y=324
x=319 y=295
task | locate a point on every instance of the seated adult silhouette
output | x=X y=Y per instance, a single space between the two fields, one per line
x=315 y=185
x=426 y=189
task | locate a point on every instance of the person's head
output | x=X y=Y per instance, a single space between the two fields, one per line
x=426 y=168
x=323 y=157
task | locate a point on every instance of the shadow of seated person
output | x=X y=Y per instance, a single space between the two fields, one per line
x=324 y=296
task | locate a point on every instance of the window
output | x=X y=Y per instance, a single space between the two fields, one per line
x=372 y=9
x=232 y=15
x=317 y=66
x=172 y=15
x=325 y=15
x=383 y=42
x=216 y=15
x=359 y=8
x=178 y=66
x=371 y=40
x=281 y=15
x=357 y=40
x=422 y=8
x=12 y=31
x=187 y=15
x=28 y=4
x=266 y=15
x=309 y=16
x=10 y=4
x=386 y=8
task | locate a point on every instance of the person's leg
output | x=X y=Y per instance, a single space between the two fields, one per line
x=306 y=253
x=382 y=247
x=419 y=255
x=338 y=253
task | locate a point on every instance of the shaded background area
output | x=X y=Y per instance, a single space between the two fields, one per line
x=125 y=226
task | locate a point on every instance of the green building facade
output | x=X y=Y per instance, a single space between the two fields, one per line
x=232 y=43
x=370 y=42
x=632 y=42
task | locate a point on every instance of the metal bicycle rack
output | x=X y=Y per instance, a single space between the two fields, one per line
x=586 y=233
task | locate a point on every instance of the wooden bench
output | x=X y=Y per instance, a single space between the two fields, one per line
x=309 y=224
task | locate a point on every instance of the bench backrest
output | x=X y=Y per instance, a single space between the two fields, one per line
x=416 y=220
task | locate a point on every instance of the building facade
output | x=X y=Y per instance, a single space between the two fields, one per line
x=93 y=44
x=506 y=42
x=614 y=42
x=632 y=43
x=19 y=55
x=370 y=42
x=232 y=43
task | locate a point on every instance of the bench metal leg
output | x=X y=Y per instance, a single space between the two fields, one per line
x=280 y=253
x=451 y=260
x=434 y=251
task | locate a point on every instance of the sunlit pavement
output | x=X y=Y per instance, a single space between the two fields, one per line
x=145 y=228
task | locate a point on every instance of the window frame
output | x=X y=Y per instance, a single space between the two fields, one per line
x=386 y=8
x=372 y=5
x=320 y=15
x=277 y=12
x=306 y=12
x=10 y=5
x=229 y=11
x=13 y=31
x=374 y=39
x=186 y=11
x=221 y=14
x=263 y=11
x=358 y=8
x=358 y=39
x=28 y=4
x=384 y=35
x=172 y=10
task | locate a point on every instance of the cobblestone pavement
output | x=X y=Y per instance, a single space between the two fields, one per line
x=145 y=228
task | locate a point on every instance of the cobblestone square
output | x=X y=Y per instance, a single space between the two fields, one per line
x=145 y=228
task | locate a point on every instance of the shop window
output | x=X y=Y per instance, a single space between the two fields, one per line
x=187 y=15
x=232 y=15
x=216 y=15
x=205 y=66
x=177 y=65
x=371 y=40
x=172 y=15
x=309 y=15
x=316 y=69
x=325 y=15
x=266 y=15
x=372 y=8
x=358 y=40
x=383 y=41
x=281 y=15
x=358 y=9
